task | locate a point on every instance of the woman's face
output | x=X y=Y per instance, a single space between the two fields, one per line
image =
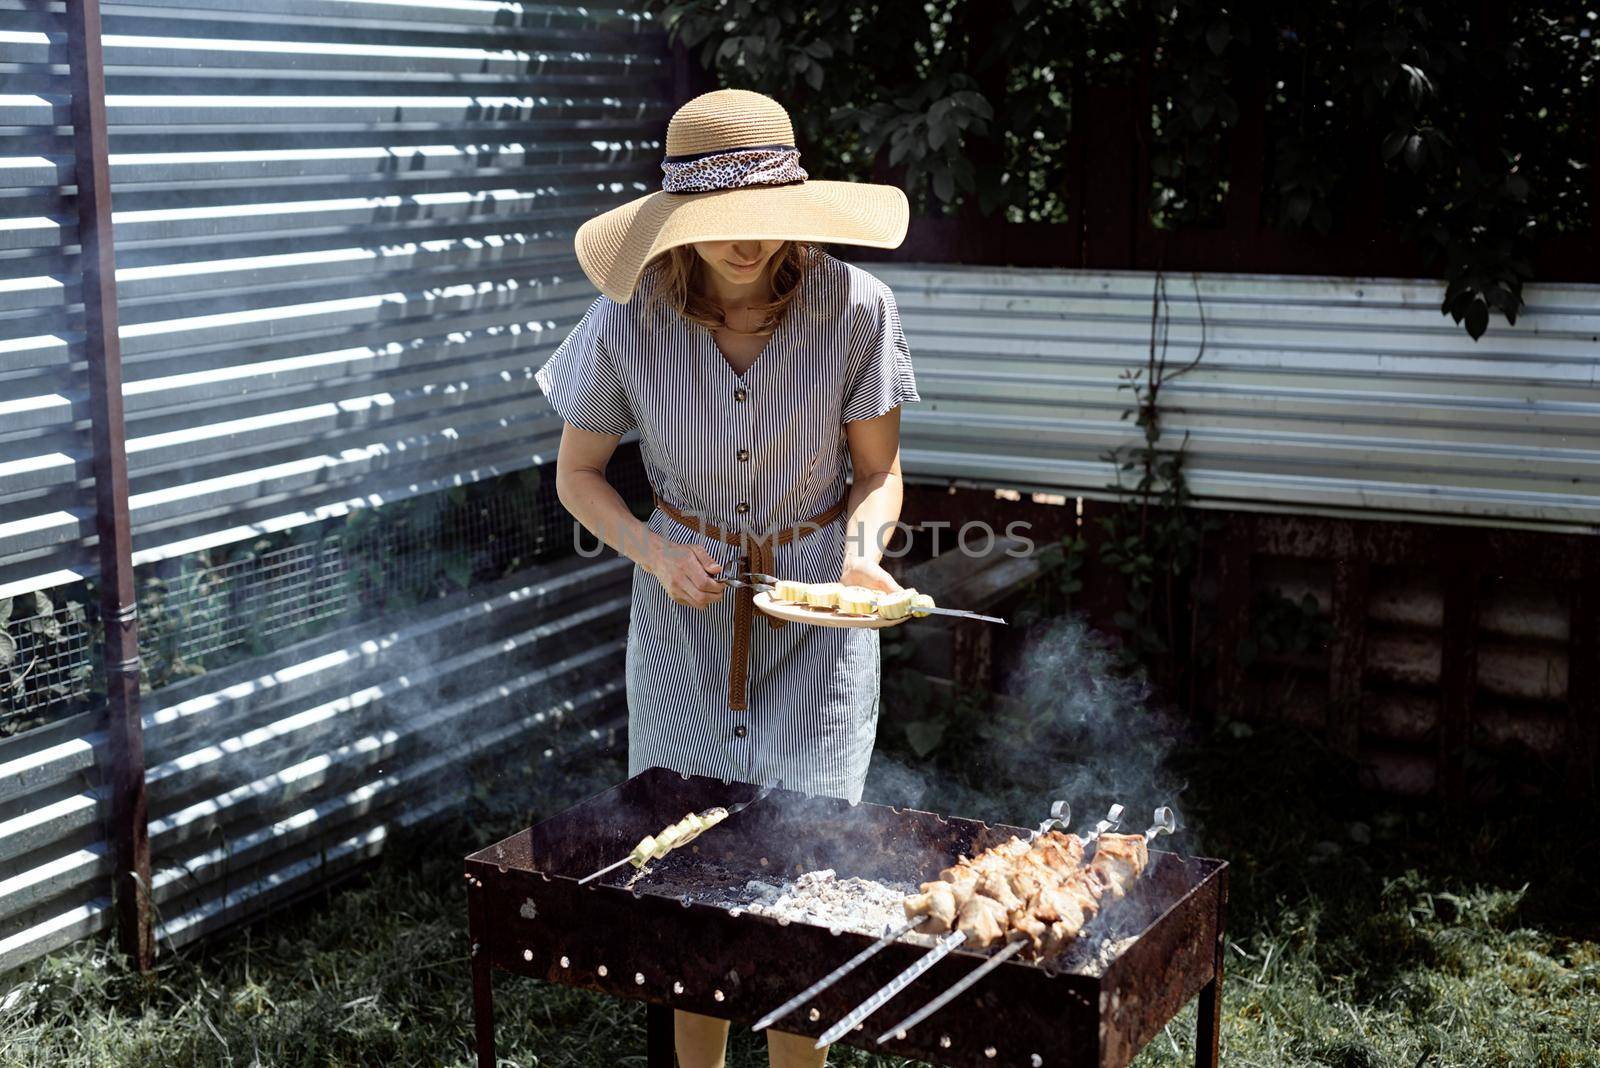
x=737 y=262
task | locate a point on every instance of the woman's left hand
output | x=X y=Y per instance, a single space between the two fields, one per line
x=868 y=574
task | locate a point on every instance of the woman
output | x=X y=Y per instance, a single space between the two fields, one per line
x=754 y=365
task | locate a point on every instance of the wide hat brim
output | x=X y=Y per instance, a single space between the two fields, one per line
x=614 y=247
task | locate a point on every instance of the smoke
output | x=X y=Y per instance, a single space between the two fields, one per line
x=1075 y=728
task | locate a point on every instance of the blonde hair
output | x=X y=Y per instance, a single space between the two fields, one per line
x=680 y=283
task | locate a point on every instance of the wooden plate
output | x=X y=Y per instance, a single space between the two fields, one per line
x=820 y=617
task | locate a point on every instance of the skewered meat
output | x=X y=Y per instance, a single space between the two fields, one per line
x=937 y=903
x=1042 y=890
x=1055 y=915
x=1119 y=858
x=996 y=885
x=983 y=920
x=1005 y=874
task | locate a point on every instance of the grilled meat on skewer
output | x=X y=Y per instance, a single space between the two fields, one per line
x=1003 y=876
x=1054 y=916
x=1042 y=890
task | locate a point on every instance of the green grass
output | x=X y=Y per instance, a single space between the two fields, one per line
x=1361 y=933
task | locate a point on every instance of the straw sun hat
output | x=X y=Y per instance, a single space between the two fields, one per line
x=732 y=173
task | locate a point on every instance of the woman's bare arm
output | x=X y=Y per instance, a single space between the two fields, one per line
x=684 y=570
x=876 y=493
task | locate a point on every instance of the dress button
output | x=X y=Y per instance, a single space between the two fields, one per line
x=740 y=731
x=738 y=395
x=742 y=507
x=744 y=454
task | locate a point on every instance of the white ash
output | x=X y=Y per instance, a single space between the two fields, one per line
x=862 y=906
x=821 y=898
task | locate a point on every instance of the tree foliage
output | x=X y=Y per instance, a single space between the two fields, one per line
x=1478 y=120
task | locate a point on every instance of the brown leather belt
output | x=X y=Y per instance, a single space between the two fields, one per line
x=755 y=555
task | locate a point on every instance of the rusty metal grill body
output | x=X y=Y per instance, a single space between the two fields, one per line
x=528 y=915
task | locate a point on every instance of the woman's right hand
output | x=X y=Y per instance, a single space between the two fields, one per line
x=684 y=571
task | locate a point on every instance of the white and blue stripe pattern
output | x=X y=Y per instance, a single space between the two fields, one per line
x=813 y=691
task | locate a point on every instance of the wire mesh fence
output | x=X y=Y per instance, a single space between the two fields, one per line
x=200 y=612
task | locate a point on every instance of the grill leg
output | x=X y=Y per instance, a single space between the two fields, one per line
x=658 y=1036
x=1208 y=1025
x=483 y=1008
x=1208 y=1017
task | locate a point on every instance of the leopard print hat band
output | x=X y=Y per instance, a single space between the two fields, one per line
x=732 y=169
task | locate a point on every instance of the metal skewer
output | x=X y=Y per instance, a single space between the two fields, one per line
x=729 y=580
x=1060 y=816
x=608 y=868
x=1164 y=824
x=944 y=999
x=1166 y=821
x=963 y=613
x=766 y=582
x=891 y=988
x=947 y=944
x=832 y=977
x=733 y=810
x=1113 y=819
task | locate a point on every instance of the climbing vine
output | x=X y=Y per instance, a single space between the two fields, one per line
x=1152 y=538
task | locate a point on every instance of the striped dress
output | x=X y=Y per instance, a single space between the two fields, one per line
x=773 y=440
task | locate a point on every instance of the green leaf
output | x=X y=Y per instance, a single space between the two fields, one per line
x=458 y=569
x=1201 y=113
x=1218 y=36
x=924 y=735
x=814 y=76
x=1413 y=151
x=1477 y=319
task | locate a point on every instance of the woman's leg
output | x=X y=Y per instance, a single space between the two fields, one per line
x=701 y=1041
x=793 y=1051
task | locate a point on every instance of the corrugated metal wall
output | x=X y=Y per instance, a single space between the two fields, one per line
x=344 y=243
x=1336 y=395
x=271 y=776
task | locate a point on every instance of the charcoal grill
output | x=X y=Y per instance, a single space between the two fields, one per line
x=528 y=915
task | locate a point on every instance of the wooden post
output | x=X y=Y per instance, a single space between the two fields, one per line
x=1458 y=660
x=1583 y=686
x=1348 y=654
x=1233 y=613
x=129 y=832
